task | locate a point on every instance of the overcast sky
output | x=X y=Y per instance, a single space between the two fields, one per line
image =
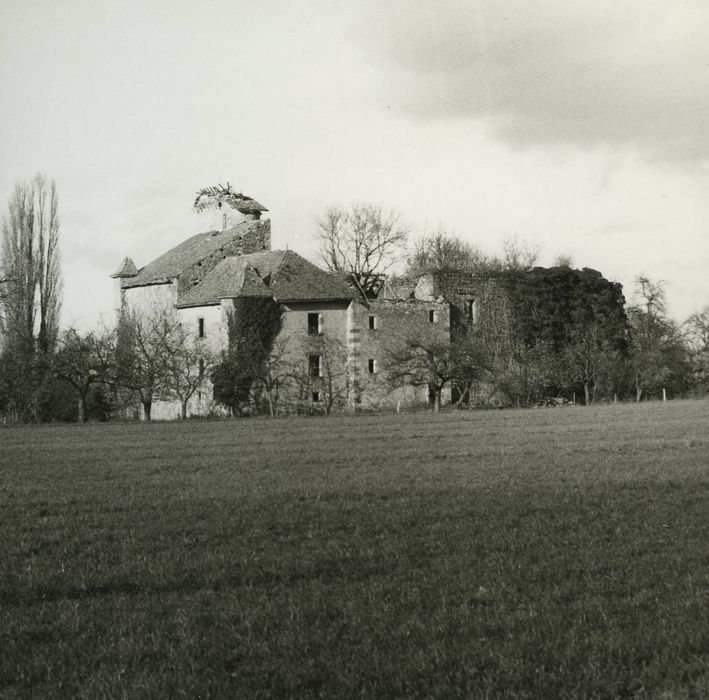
x=582 y=127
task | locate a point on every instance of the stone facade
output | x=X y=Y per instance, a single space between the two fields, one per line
x=255 y=238
x=379 y=327
x=337 y=341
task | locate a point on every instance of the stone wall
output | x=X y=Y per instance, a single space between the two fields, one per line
x=212 y=216
x=353 y=339
x=157 y=299
x=149 y=299
x=378 y=328
x=255 y=238
x=329 y=343
x=469 y=295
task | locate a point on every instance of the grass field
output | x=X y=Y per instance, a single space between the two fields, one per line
x=551 y=553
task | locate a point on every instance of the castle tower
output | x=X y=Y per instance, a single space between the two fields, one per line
x=126 y=270
x=221 y=208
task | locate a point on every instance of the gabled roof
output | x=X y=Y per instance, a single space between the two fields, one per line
x=231 y=278
x=281 y=274
x=169 y=265
x=291 y=277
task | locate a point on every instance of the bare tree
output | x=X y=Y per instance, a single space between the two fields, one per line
x=589 y=358
x=443 y=251
x=83 y=360
x=365 y=240
x=332 y=383
x=697 y=328
x=650 y=295
x=563 y=260
x=140 y=363
x=188 y=362
x=30 y=292
x=421 y=359
x=697 y=337
x=652 y=336
x=30 y=303
x=519 y=255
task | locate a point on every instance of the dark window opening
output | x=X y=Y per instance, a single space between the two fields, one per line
x=316 y=396
x=314 y=365
x=372 y=323
x=471 y=310
x=314 y=324
x=372 y=366
x=433 y=316
x=200 y=327
x=201 y=367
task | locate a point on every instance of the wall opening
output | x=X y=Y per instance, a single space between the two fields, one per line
x=200 y=327
x=315 y=324
x=433 y=316
x=315 y=365
x=471 y=308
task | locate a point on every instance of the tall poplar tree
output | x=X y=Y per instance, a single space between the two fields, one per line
x=31 y=298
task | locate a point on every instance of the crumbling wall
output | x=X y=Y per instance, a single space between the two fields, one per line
x=215 y=215
x=470 y=295
x=249 y=237
x=394 y=321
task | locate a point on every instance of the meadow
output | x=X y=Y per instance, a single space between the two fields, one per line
x=548 y=553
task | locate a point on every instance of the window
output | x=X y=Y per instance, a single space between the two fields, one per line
x=200 y=327
x=373 y=323
x=315 y=365
x=471 y=310
x=433 y=316
x=316 y=396
x=201 y=367
x=372 y=366
x=315 y=324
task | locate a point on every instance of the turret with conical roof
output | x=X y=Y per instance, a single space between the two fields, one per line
x=126 y=269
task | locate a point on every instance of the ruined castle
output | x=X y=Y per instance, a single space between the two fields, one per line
x=201 y=277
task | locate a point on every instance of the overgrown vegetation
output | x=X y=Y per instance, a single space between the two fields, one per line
x=518 y=554
x=547 y=333
x=252 y=366
x=541 y=335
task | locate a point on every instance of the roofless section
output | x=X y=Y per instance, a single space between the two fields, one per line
x=225 y=198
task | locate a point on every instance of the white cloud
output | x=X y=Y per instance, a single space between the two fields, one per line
x=555 y=72
x=132 y=107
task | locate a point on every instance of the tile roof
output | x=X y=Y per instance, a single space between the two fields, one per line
x=187 y=253
x=231 y=278
x=283 y=274
x=291 y=277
